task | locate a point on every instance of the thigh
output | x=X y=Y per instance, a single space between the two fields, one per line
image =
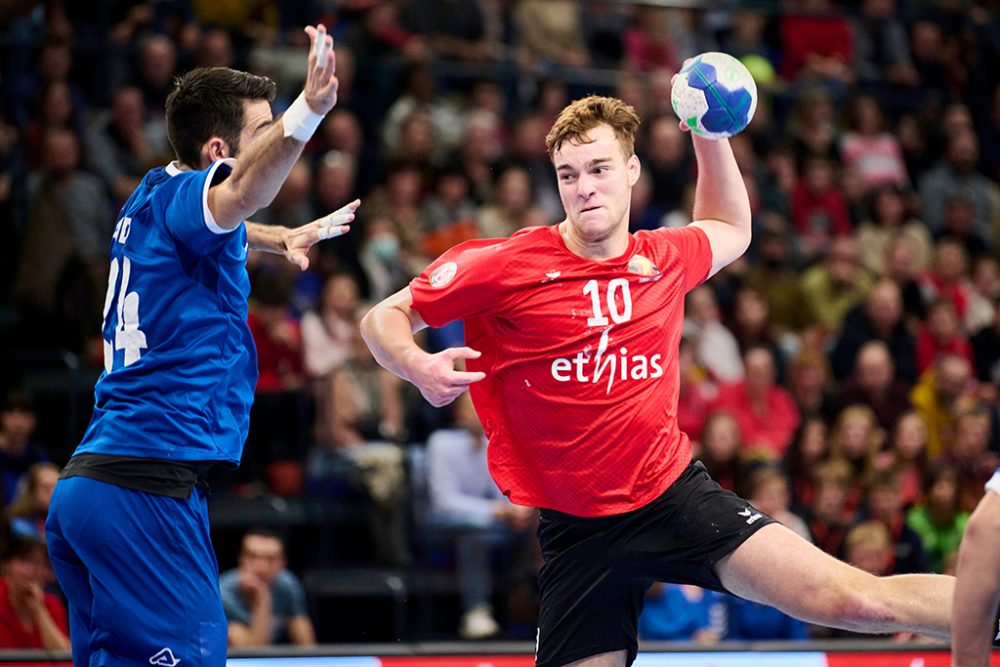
x=588 y=605
x=150 y=560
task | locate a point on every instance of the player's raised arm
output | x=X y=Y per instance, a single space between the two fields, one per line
x=266 y=162
x=388 y=330
x=721 y=203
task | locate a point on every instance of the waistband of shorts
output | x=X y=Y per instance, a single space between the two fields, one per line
x=175 y=479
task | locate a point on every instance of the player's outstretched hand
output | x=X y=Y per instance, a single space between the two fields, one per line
x=438 y=380
x=321 y=79
x=299 y=240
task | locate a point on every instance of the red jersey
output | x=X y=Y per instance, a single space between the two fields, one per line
x=581 y=388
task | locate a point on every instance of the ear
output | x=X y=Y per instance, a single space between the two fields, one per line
x=634 y=169
x=214 y=149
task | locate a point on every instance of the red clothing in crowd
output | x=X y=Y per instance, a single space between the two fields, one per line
x=772 y=426
x=13 y=634
x=277 y=359
x=580 y=356
x=822 y=216
x=929 y=348
x=803 y=35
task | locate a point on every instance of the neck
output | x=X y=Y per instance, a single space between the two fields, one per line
x=614 y=245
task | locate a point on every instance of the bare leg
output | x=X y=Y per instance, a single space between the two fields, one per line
x=779 y=568
x=615 y=659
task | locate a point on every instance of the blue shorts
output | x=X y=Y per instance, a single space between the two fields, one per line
x=140 y=575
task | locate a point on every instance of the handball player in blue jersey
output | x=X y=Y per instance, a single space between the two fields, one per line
x=128 y=528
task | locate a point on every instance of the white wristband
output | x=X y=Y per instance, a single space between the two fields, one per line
x=299 y=121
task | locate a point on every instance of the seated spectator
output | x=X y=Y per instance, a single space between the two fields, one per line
x=888 y=219
x=837 y=284
x=809 y=381
x=983 y=293
x=719 y=450
x=384 y=269
x=868 y=547
x=31 y=507
x=943 y=392
x=879 y=318
x=986 y=347
x=715 y=347
x=681 y=612
x=881 y=46
x=513 y=196
x=942 y=334
x=946 y=278
x=30 y=617
x=902 y=268
x=856 y=438
x=816 y=44
x=938 y=519
x=264 y=603
x=907 y=456
x=327 y=332
x=956 y=173
x=765 y=412
x=551 y=33
x=696 y=393
x=767 y=490
x=774 y=276
x=751 y=324
x=18 y=452
x=828 y=516
x=875 y=385
x=957 y=226
x=871 y=155
x=971 y=457
x=647 y=42
x=809 y=446
x=449 y=212
x=277 y=336
x=819 y=208
x=466 y=502
x=885 y=505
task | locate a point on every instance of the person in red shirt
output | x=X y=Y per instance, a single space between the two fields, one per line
x=30 y=617
x=571 y=356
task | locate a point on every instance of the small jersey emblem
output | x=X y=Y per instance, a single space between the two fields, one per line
x=642 y=266
x=443 y=274
x=164 y=658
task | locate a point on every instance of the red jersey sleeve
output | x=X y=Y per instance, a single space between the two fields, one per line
x=464 y=282
x=695 y=253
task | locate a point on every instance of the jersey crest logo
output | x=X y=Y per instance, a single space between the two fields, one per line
x=642 y=266
x=443 y=274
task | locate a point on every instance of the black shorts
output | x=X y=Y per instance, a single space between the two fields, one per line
x=597 y=570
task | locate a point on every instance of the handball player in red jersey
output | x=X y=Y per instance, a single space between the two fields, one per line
x=572 y=334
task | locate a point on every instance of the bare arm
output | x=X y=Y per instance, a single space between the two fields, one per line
x=977 y=589
x=295 y=243
x=388 y=330
x=258 y=633
x=265 y=164
x=300 y=631
x=721 y=203
x=53 y=639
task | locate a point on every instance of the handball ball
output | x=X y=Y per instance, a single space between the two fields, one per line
x=714 y=95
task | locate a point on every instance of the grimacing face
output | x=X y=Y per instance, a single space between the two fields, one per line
x=595 y=182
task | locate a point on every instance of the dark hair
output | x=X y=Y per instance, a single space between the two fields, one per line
x=266 y=532
x=208 y=102
x=18 y=400
x=23 y=547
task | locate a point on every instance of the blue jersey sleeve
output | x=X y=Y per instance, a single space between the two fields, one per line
x=187 y=216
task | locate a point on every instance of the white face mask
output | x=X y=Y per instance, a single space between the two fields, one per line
x=385 y=247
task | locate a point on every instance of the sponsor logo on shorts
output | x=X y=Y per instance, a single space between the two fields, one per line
x=750 y=514
x=164 y=658
x=443 y=274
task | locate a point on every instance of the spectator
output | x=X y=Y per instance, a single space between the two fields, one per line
x=946 y=279
x=881 y=47
x=938 y=520
x=943 y=391
x=886 y=507
x=400 y=200
x=868 y=546
x=888 y=220
x=466 y=502
x=720 y=450
x=856 y=438
x=31 y=507
x=971 y=457
x=290 y=207
x=765 y=412
x=774 y=275
x=276 y=333
x=984 y=292
x=767 y=490
x=449 y=212
x=879 y=318
x=907 y=456
x=836 y=285
x=809 y=447
x=56 y=111
x=18 y=452
x=959 y=215
x=829 y=516
x=479 y=152
x=30 y=617
x=751 y=324
x=697 y=392
x=328 y=331
x=874 y=384
x=157 y=66
x=681 y=612
x=665 y=155
x=871 y=155
x=264 y=603
x=819 y=208
x=550 y=33
x=648 y=44
x=986 y=346
x=816 y=44
x=954 y=175
x=715 y=347
x=809 y=381
x=901 y=268
x=942 y=334
x=513 y=196
x=381 y=261
x=454 y=30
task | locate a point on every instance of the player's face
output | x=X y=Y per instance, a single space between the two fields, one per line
x=257 y=117
x=595 y=183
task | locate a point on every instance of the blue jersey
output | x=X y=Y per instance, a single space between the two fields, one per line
x=180 y=366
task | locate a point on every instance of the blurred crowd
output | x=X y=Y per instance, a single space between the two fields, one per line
x=842 y=376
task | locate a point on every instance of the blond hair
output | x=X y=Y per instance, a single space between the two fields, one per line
x=585 y=114
x=871 y=533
